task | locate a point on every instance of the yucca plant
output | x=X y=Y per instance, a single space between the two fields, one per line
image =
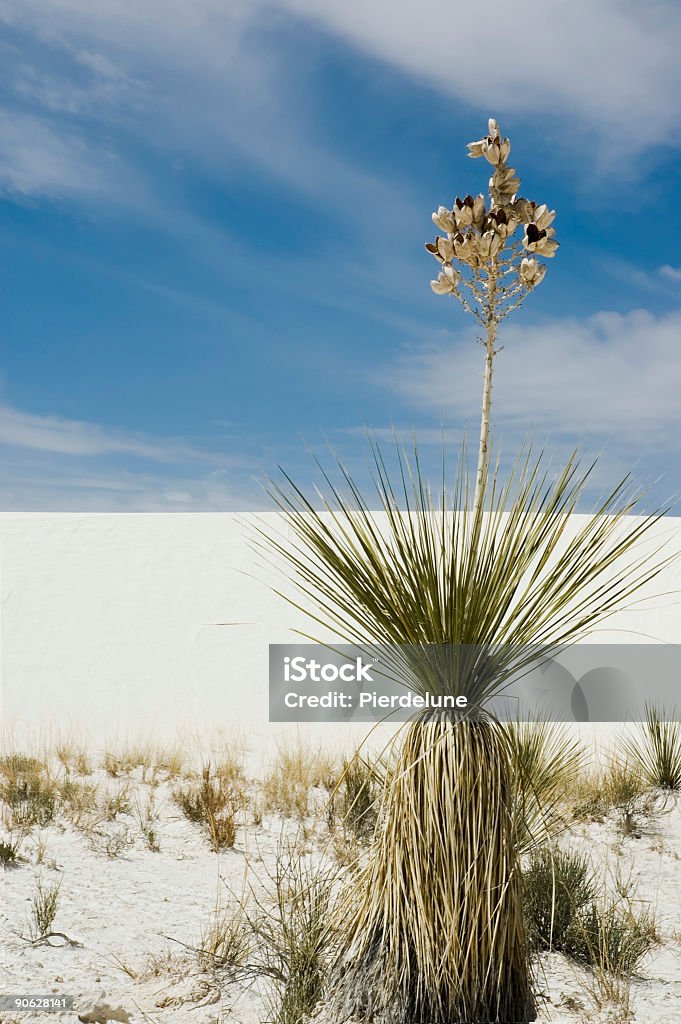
x=483 y=573
x=656 y=751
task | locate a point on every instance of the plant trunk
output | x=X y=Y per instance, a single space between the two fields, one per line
x=439 y=934
x=490 y=352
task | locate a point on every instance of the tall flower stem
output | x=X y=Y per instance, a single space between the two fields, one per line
x=490 y=352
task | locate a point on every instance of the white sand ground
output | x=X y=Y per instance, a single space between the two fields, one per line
x=124 y=909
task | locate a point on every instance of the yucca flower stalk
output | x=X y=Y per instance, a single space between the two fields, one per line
x=433 y=929
x=484 y=264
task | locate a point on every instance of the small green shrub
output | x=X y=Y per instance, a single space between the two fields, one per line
x=656 y=752
x=294 y=936
x=611 y=937
x=557 y=886
x=562 y=913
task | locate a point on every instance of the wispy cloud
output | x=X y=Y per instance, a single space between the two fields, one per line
x=611 y=377
x=210 y=82
x=671 y=273
x=37 y=160
x=611 y=68
x=45 y=485
x=51 y=462
x=75 y=437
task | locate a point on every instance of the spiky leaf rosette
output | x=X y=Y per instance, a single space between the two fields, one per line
x=424 y=571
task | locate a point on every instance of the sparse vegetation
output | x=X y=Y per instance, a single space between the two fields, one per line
x=610 y=936
x=147 y=817
x=294 y=935
x=546 y=760
x=29 y=790
x=557 y=887
x=40 y=849
x=171 y=760
x=214 y=801
x=117 y=802
x=78 y=799
x=619 y=791
x=656 y=751
x=227 y=940
x=10 y=847
x=355 y=798
x=44 y=908
x=564 y=913
x=71 y=753
x=112 y=844
x=296 y=772
x=287 y=930
x=125 y=759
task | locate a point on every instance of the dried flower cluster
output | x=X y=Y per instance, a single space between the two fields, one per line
x=478 y=252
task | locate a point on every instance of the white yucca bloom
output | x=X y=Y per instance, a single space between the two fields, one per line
x=445 y=282
x=488 y=245
x=543 y=217
x=444 y=219
x=530 y=272
x=540 y=241
x=445 y=248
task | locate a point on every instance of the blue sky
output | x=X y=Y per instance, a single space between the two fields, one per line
x=212 y=219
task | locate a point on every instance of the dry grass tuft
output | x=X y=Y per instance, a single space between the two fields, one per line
x=296 y=772
x=226 y=942
x=214 y=801
x=147 y=817
x=117 y=802
x=614 y=787
x=293 y=926
x=355 y=799
x=44 y=908
x=127 y=758
x=29 y=789
x=10 y=850
x=78 y=800
x=70 y=751
x=546 y=761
